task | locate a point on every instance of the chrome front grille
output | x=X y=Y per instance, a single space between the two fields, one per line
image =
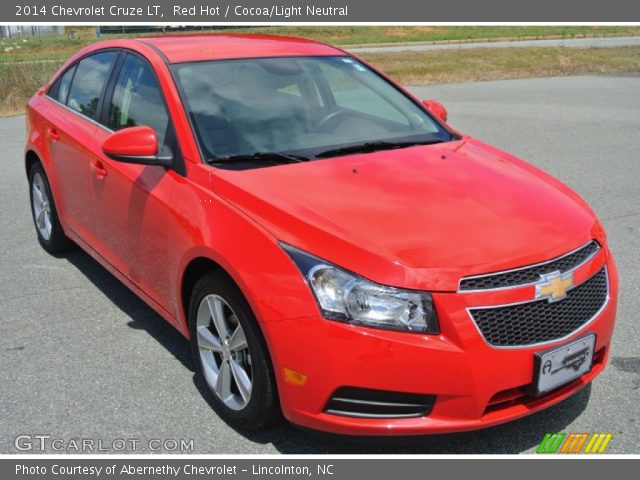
x=531 y=273
x=541 y=321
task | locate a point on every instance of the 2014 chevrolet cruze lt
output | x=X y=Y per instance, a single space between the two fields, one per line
x=331 y=247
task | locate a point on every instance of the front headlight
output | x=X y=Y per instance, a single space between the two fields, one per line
x=346 y=297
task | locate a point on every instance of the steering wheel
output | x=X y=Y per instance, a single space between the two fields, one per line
x=331 y=116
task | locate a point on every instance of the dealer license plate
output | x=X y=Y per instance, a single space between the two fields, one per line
x=561 y=365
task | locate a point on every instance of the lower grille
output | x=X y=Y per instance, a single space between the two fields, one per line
x=366 y=403
x=542 y=321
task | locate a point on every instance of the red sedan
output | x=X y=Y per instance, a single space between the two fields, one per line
x=332 y=248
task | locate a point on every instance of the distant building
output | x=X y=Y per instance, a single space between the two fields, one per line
x=11 y=31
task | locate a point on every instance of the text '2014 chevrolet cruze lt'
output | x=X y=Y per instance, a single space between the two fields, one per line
x=332 y=248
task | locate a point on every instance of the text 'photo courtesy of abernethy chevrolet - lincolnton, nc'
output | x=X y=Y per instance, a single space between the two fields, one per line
x=337 y=254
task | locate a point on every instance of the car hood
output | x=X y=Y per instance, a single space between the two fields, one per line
x=418 y=217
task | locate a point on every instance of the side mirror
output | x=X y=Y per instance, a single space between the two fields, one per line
x=135 y=145
x=437 y=109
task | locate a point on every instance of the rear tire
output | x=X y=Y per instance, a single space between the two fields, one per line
x=44 y=213
x=231 y=355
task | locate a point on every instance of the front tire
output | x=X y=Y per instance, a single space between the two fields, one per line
x=44 y=213
x=230 y=354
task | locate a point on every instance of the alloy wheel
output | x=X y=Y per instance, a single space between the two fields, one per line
x=224 y=352
x=41 y=206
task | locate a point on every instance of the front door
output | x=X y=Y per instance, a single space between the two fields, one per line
x=133 y=202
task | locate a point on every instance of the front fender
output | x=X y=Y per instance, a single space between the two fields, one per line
x=219 y=231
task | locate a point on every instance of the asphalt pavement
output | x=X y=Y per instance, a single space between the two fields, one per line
x=81 y=357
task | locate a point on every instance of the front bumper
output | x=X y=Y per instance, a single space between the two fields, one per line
x=476 y=385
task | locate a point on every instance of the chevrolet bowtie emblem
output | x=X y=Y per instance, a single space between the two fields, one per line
x=554 y=286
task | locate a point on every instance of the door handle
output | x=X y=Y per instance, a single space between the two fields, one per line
x=53 y=133
x=98 y=169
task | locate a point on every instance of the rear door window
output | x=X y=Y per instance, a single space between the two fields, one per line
x=65 y=83
x=90 y=78
x=60 y=89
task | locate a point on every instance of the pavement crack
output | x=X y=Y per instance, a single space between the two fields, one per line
x=12 y=349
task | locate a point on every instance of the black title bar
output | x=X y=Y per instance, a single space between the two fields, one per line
x=331 y=11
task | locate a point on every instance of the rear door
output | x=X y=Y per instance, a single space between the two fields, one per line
x=71 y=132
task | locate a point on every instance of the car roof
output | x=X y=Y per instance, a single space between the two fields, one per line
x=200 y=47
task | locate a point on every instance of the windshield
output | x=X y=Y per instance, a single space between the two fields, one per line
x=307 y=107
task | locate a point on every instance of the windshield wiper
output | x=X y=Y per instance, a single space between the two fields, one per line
x=270 y=157
x=373 y=147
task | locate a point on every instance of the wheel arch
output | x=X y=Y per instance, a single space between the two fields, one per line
x=30 y=158
x=193 y=271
